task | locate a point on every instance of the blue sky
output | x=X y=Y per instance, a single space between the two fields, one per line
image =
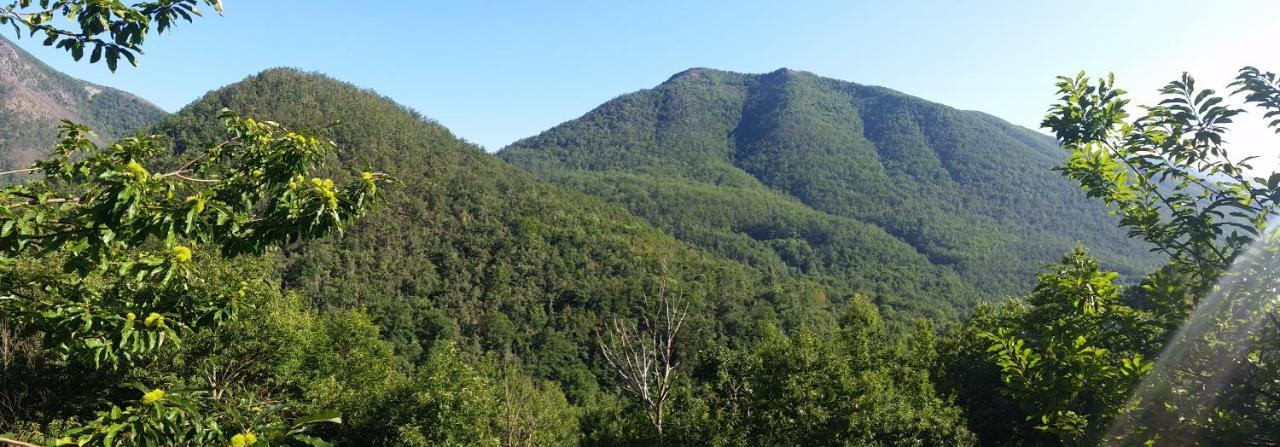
x=494 y=72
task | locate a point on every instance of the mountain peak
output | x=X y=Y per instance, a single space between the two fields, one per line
x=928 y=186
x=703 y=74
x=786 y=75
x=692 y=73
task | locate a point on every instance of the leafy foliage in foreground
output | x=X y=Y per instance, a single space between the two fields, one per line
x=1214 y=223
x=489 y=284
x=1211 y=310
x=125 y=240
x=1078 y=351
x=108 y=29
x=279 y=351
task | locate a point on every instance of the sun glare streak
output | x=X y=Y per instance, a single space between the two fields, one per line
x=1220 y=350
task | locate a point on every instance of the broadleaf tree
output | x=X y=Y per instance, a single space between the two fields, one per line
x=1073 y=357
x=126 y=239
x=108 y=29
x=1169 y=174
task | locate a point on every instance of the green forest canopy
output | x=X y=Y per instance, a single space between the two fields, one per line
x=464 y=310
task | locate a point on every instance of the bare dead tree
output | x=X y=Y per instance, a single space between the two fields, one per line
x=642 y=351
x=15 y=346
x=19 y=355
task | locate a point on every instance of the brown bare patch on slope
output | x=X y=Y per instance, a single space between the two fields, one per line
x=34 y=99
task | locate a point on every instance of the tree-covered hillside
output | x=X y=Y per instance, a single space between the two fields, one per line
x=35 y=98
x=474 y=306
x=468 y=248
x=726 y=260
x=860 y=187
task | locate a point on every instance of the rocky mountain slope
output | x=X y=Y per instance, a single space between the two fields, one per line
x=34 y=99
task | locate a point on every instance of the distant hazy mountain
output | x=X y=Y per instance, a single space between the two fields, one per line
x=35 y=98
x=858 y=186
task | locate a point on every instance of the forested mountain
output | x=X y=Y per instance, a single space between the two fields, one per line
x=724 y=260
x=469 y=248
x=35 y=98
x=860 y=187
x=490 y=290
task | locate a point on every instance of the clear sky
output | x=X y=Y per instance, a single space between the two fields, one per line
x=494 y=72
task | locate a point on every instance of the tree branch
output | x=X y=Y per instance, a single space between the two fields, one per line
x=16 y=443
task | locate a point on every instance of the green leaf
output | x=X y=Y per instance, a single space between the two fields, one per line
x=322 y=417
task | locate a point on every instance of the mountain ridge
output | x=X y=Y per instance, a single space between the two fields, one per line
x=952 y=184
x=35 y=98
x=469 y=249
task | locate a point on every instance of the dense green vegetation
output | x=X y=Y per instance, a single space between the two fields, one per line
x=835 y=386
x=100 y=275
x=471 y=250
x=1074 y=360
x=778 y=238
x=862 y=188
x=483 y=278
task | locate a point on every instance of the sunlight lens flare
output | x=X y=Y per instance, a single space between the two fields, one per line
x=1215 y=373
